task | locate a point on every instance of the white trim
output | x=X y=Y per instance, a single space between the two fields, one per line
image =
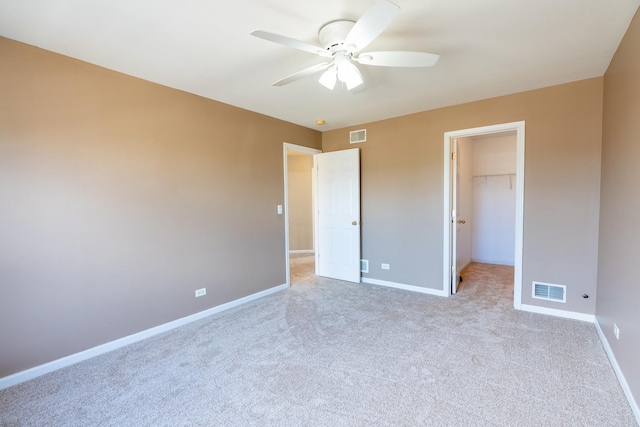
x=54 y=365
x=519 y=127
x=616 y=368
x=302 y=251
x=314 y=201
x=316 y=228
x=436 y=292
x=301 y=149
x=558 y=313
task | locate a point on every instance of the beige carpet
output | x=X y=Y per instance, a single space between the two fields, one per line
x=302 y=268
x=331 y=353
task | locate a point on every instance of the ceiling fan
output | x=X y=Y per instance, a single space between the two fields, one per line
x=343 y=42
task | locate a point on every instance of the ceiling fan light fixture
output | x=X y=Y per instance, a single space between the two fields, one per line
x=355 y=81
x=328 y=78
x=349 y=74
x=343 y=41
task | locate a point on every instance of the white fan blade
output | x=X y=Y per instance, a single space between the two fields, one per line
x=288 y=41
x=302 y=73
x=371 y=25
x=398 y=59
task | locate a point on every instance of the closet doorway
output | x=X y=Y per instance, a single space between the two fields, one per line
x=484 y=187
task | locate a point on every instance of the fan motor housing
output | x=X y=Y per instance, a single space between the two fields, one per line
x=333 y=33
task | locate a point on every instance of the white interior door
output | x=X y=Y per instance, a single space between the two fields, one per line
x=464 y=203
x=454 y=216
x=338 y=219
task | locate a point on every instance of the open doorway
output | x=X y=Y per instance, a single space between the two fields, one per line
x=486 y=205
x=484 y=187
x=299 y=208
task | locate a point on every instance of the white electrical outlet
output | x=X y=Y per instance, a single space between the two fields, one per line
x=616 y=331
x=385 y=266
x=201 y=292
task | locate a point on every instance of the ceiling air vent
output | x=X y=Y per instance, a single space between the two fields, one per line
x=550 y=292
x=356 y=136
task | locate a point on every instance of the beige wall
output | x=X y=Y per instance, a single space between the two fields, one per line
x=119 y=198
x=402 y=188
x=300 y=202
x=618 y=278
x=495 y=154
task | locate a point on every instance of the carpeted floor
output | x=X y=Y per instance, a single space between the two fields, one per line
x=330 y=353
x=303 y=268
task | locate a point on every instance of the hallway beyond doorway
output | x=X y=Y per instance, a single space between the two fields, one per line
x=303 y=267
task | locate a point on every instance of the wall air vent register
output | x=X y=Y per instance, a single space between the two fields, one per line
x=356 y=136
x=549 y=292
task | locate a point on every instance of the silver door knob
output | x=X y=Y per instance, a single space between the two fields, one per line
x=462 y=221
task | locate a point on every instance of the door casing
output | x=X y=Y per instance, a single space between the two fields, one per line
x=519 y=128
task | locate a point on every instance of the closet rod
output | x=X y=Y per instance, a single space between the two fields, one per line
x=496 y=174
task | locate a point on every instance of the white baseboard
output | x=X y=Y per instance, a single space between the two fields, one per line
x=558 y=313
x=621 y=379
x=302 y=251
x=437 y=292
x=37 y=371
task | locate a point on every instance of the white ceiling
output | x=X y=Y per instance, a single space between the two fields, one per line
x=487 y=48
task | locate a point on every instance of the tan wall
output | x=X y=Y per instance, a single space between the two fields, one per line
x=402 y=188
x=618 y=278
x=495 y=155
x=300 y=202
x=119 y=198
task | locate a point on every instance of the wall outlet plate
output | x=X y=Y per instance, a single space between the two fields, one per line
x=385 y=266
x=201 y=292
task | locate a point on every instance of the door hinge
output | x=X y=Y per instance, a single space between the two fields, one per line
x=454 y=155
x=453 y=269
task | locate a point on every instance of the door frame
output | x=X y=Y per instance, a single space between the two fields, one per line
x=519 y=127
x=301 y=149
